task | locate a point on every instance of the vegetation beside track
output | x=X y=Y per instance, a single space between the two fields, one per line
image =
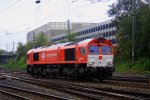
x=124 y=11
x=20 y=61
x=20 y=64
x=140 y=66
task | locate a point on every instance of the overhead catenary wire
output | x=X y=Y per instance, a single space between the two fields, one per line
x=53 y=15
x=11 y=5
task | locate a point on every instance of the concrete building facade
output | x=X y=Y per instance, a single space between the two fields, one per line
x=104 y=29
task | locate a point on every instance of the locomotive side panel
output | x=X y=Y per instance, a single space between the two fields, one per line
x=61 y=55
x=51 y=56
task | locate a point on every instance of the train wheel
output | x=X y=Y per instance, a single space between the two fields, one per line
x=35 y=72
x=89 y=74
x=43 y=71
x=100 y=74
x=28 y=70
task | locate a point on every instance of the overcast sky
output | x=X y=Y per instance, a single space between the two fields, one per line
x=17 y=17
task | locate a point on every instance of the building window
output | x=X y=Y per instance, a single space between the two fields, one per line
x=81 y=33
x=96 y=28
x=99 y=28
x=88 y=30
x=113 y=32
x=103 y=34
x=109 y=33
x=110 y=25
x=114 y=41
x=106 y=26
x=103 y=26
x=84 y=32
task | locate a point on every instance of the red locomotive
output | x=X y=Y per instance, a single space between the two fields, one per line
x=90 y=58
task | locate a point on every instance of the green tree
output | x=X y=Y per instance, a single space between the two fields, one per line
x=29 y=45
x=21 y=51
x=145 y=31
x=73 y=36
x=41 y=40
x=2 y=51
x=123 y=11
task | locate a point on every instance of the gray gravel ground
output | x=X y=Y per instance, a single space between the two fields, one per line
x=5 y=97
x=37 y=88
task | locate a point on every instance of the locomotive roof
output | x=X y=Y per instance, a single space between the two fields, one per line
x=85 y=41
x=79 y=43
x=60 y=44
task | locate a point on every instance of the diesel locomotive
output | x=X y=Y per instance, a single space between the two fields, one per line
x=87 y=59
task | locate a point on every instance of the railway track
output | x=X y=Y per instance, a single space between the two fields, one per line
x=90 y=93
x=24 y=94
x=135 y=79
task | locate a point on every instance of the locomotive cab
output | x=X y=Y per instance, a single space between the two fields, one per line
x=100 y=58
x=100 y=55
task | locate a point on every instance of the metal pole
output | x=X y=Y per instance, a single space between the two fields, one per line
x=133 y=30
x=69 y=39
x=13 y=47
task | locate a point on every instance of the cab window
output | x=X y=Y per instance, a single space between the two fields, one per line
x=94 y=50
x=82 y=51
x=27 y=56
x=106 y=50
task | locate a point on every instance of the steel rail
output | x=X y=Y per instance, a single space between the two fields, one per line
x=130 y=79
x=126 y=84
x=16 y=96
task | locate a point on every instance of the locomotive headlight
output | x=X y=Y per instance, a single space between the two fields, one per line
x=109 y=63
x=92 y=63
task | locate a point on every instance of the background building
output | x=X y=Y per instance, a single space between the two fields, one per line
x=53 y=29
x=104 y=29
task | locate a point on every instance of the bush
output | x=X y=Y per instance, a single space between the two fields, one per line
x=20 y=64
x=142 y=65
x=124 y=67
